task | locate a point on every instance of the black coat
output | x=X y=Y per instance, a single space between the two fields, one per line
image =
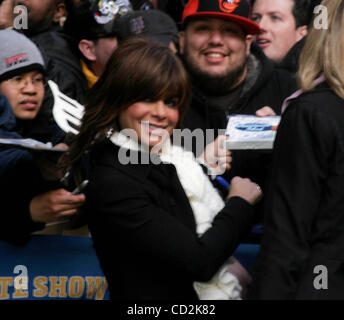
x=62 y=63
x=20 y=181
x=304 y=226
x=291 y=61
x=144 y=230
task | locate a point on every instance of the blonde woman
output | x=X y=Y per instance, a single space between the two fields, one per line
x=302 y=248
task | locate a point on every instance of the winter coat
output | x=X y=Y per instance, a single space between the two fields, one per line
x=144 y=229
x=302 y=249
x=20 y=181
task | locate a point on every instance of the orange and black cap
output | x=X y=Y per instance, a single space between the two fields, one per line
x=232 y=10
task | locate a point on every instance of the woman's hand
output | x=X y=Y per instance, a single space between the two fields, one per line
x=246 y=189
x=217 y=156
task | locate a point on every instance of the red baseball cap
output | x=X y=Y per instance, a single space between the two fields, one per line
x=232 y=10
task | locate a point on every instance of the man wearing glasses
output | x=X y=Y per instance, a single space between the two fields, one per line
x=25 y=93
x=30 y=193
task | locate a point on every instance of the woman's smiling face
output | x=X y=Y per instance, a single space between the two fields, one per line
x=153 y=121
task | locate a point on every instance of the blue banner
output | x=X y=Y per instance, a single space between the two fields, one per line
x=51 y=267
x=64 y=268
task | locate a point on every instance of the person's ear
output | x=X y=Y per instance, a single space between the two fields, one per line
x=60 y=11
x=301 y=32
x=248 y=41
x=181 y=42
x=87 y=49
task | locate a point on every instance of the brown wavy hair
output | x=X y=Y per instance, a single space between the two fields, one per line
x=138 y=70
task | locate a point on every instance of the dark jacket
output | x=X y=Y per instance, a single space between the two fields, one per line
x=270 y=88
x=63 y=67
x=304 y=224
x=144 y=230
x=62 y=63
x=19 y=182
x=291 y=61
x=10 y=157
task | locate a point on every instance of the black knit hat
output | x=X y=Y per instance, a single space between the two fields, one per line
x=232 y=10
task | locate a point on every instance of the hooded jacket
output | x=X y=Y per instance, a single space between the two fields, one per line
x=10 y=157
x=19 y=182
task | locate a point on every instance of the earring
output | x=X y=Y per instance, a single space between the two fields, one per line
x=110 y=133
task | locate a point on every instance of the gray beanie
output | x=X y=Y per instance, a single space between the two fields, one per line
x=18 y=54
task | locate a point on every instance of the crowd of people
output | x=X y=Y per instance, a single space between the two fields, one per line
x=109 y=83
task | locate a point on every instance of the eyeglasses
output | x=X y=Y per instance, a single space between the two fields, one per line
x=20 y=82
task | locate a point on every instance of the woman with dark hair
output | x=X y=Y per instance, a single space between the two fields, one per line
x=158 y=225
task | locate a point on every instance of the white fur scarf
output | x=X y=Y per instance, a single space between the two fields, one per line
x=205 y=203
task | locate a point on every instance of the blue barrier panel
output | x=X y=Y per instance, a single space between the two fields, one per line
x=55 y=267
x=64 y=268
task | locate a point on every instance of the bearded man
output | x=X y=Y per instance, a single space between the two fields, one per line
x=229 y=73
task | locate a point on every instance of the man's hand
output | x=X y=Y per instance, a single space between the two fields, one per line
x=6 y=14
x=265 y=112
x=55 y=205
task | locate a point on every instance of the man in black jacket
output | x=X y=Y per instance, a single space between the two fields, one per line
x=230 y=75
x=93 y=29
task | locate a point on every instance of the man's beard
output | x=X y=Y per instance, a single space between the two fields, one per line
x=214 y=85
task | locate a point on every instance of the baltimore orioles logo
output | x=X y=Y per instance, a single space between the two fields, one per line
x=228 y=5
